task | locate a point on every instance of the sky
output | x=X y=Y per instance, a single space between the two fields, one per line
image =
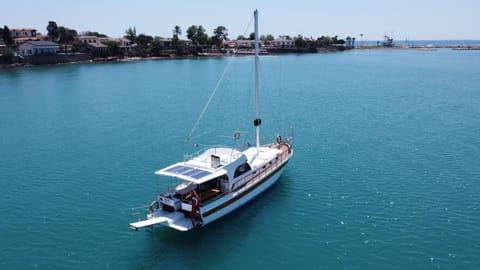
x=373 y=19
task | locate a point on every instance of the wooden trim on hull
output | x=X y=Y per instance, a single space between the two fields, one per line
x=243 y=194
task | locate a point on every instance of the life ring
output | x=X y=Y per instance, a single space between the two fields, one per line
x=154 y=206
x=196 y=220
x=279 y=139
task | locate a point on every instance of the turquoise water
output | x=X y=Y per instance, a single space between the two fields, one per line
x=385 y=174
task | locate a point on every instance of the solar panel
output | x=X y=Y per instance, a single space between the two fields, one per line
x=201 y=174
x=188 y=171
x=179 y=169
x=192 y=172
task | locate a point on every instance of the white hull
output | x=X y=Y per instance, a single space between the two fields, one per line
x=234 y=203
x=257 y=181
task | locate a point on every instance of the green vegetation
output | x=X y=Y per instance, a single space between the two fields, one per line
x=6 y=35
x=220 y=35
x=131 y=34
x=266 y=38
x=197 y=35
x=60 y=34
x=144 y=45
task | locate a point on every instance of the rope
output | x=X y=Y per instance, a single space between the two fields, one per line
x=215 y=89
x=209 y=100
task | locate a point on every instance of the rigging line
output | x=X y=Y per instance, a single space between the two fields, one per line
x=248 y=26
x=209 y=100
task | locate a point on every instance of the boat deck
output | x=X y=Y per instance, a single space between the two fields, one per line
x=174 y=220
x=266 y=153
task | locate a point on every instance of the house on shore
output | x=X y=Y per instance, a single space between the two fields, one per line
x=244 y=44
x=94 y=44
x=282 y=42
x=89 y=39
x=30 y=48
x=23 y=32
x=21 y=35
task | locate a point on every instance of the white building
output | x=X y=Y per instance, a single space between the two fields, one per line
x=22 y=33
x=246 y=43
x=282 y=43
x=89 y=39
x=124 y=42
x=30 y=48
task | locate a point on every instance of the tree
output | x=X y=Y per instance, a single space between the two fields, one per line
x=241 y=37
x=52 y=30
x=177 y=31
x=221 y=33
x=197 y=34
x=90 y=33
x=180 y=48
x=219 y=36
x=300 y=42
x=6 y=35
x=325 y=41
x=131 y=34
x=65 y=35
x=192 y=33
x=251 y=36
x=113 y=48
x=348 y=41
x=266 y=38
x=143 y=42
x=155 y=47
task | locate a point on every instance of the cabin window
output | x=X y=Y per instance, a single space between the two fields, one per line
x=241 y=170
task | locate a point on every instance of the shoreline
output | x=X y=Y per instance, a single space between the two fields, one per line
x=275 y=51
x=95 y=61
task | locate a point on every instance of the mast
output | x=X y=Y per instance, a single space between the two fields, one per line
x=257 y=122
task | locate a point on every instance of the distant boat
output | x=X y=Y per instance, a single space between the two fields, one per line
x=210 y=54
x=250 y=52
x=219 y=180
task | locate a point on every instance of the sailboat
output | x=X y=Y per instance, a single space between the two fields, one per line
x=220 y=179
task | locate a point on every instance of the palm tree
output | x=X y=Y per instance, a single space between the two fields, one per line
x=177 y=31
x=349 y=40
x=131 y=34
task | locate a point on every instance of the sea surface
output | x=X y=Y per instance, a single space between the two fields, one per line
x=385 y=175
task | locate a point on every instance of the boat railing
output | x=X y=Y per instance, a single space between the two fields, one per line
x=263 y=171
